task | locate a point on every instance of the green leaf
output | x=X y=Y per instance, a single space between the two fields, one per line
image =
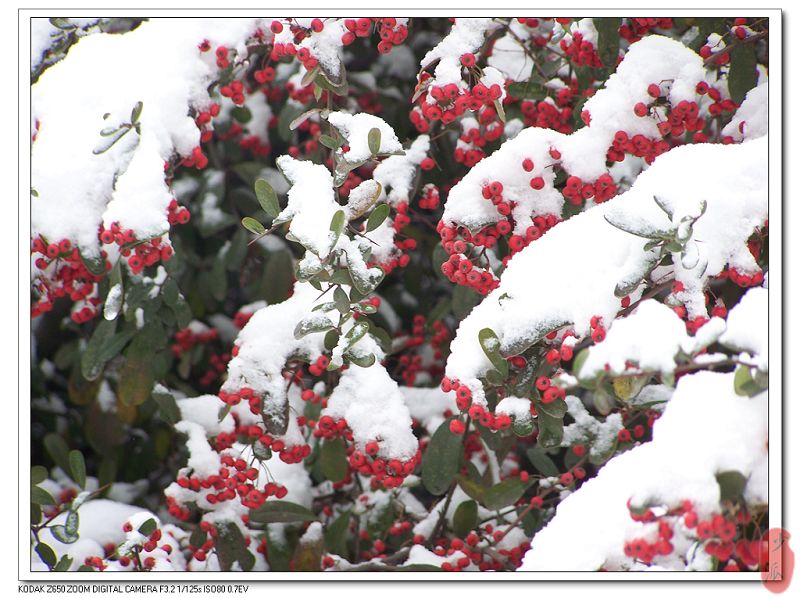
x=242 y=114
x=331 y=339
x=253 y=225
x=64 y=564
x=337 y=226
x=38 y=474
x=77 y=468
x=286 y=118
x=47 y=554
x=527 y=89
x=501 y=113
x=136 y=112
x=330 y=142
x=281 y=511
x=333 y=459
x=377 y=216
x=267 y=198
x=167 y=406
x=96 y=265
x=136 y=379
x=464 y=299
x=374 y=141
x=336 y=534
x=504 y=494
x=95 y=356
x=278 y=275
x=607 y=40
x=743 y=73
x=543 y=464
x=299 y=120
x=311 y=324
x=148 y=527
x=72 y=524
x=61 y=534
x=230 y=548
x=58 y=450
x=472 y=488
x=743 y=382
x=356 y=333
x=491 y=347
x=441 y=460
x=465 y=519
x=40 y=496
x=362 y=361
x=731 y=485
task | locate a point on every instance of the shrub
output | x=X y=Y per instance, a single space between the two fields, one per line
x=299 y=307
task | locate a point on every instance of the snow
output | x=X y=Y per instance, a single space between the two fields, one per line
x=586 y=429
x=631 y=339
x=583 y=153
x=267 y=342
x=583 y=284
x=204 y=411
x=705 y=417
x=311 y=205
x=356 y=127
x=374 y=408
x=751 y=118
x=396 y=173
x=427 y=405
x=508 y=55
x=158 y=64
x=747 y=326
x=466 y=36
x=362 y=198
x=519 y=409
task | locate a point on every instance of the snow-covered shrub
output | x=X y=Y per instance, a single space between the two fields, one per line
x=399 y=294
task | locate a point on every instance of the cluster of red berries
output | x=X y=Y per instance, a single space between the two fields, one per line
x=235 y=479
x=462 y=271
x=546 y=115
x=598 y=330
x=187 y=338
x=141 y=254
x=638 y=145
x=196 y=159
x=577 y=191
x=564 y=353
x=581 y=51
x=516 y=243
x=70 y=278
x=241 y=318
x=639 y=27
x=741 y=279
x=549 y=391
x=386 y=473
x=430 y=195
x=463 y=552
x=319 y=366
x=390 y=32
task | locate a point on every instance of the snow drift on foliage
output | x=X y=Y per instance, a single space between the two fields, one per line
x=705 y=417
x=593 y=256
x=583 y=153
x=158 y=64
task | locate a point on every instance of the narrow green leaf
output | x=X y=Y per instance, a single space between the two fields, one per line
x=267 y=198
x=374 y=141
x=148 y=527
x=336 y=534
x=63 y=564
x=40 y=496
x=313 y=323
x=38 y=474
x=607 y=40
x=731 y=485
x=330 y=142
x=541 y=461
x=333 y=459
x=167 y=406
x=504 y=494
x=253 y=225
x=47 y=554
x=441 y=460
x=231 y=548
x=377 y=216
x=743 y=73
x=491 y=347
x=337 y=226
x=62 y=535
x=465 y=519
x=281 y=511
x=136 y=112
x=58 y=450
x=77 y=468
